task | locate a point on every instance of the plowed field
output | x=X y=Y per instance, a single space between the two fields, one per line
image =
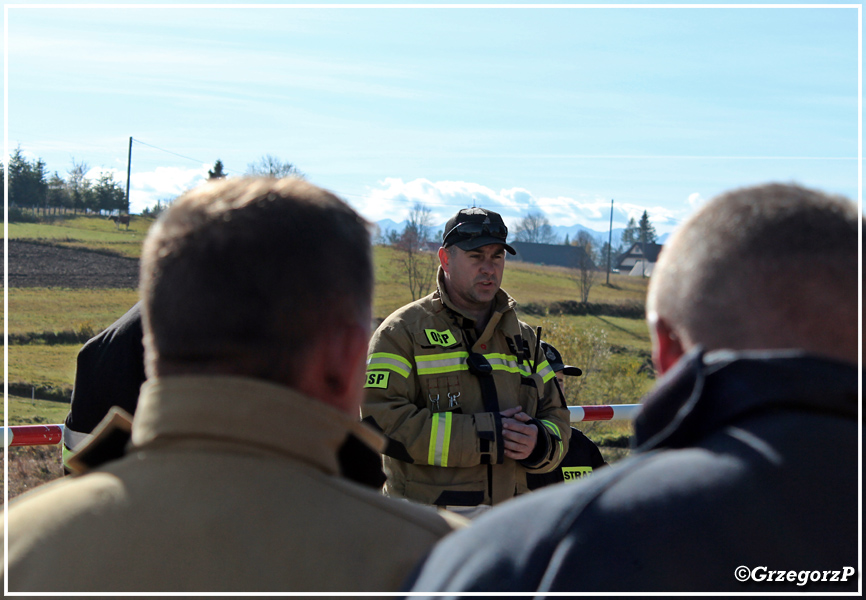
x=33 y=264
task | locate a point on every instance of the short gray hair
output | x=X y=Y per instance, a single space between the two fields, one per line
x=244 y=273
x=773 y=266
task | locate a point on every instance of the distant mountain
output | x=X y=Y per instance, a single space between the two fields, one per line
x=601 y=237
x=387 y=225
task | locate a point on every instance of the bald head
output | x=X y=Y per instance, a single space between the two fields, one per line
x=768 y=267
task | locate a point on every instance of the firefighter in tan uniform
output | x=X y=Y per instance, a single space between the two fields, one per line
x=458 y=385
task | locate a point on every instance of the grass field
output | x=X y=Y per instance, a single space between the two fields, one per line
x=37 y=310
x=26 y=411
x=524 y=282
x=95 y=233
x=43 y=365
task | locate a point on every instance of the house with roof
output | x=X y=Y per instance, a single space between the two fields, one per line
x=557 y=255
x=639 y=259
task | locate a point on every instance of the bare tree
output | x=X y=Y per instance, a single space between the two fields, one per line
x=585 y=271
x=78 y=185
x=534 y=228
x=415 y=262
x=271 y=166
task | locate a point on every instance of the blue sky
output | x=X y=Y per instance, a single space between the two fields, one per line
x=557 y=110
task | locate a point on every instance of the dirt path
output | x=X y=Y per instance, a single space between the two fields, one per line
x=33 y=264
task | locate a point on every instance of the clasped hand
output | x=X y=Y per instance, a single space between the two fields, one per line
x=520 y=435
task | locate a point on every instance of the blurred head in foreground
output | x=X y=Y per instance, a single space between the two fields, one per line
x=264 y=278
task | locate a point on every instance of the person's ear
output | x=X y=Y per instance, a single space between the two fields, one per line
x=443 y=259
x=667 y=345
x=335 y=375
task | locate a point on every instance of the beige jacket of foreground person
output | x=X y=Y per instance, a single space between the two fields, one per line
x=224 y=483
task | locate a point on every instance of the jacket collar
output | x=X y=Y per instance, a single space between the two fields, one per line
x=704 y=392
x=246 y=411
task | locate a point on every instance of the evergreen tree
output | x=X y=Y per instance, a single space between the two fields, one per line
x=631 y=234
x=217 y=172
x=647 y=233
x=58 y=195
x=27 y=185
x=603 y=256
x=108 y=195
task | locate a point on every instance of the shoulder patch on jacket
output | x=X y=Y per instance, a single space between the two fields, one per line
x=377 y=379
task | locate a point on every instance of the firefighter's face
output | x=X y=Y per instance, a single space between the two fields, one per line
x=474 y=276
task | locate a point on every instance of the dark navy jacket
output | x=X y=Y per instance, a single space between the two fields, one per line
x=742 y=460
x=582 y=458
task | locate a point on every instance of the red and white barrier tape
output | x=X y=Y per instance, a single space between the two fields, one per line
x=47 y=435
x=33 y=435
x=610 y=412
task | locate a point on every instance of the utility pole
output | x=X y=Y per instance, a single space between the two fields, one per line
x=643 y=252
x=128 y=170
x=609 y=241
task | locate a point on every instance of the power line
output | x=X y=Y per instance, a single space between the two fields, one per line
x=180 y=155
x=169 y=151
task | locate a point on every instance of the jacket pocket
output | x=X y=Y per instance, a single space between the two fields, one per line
x=443 y=392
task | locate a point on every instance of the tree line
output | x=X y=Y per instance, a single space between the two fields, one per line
x=31 y=187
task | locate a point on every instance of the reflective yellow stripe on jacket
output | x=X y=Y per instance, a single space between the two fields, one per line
x=545 y=371
x=440 y=439
x=449 y=362
x=554 y=429
x=386 y=360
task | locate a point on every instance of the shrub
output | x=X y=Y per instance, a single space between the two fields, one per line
x=629 y=310
x=41 y=392
x=85 y=330
x=22 y=215
x=586 y=348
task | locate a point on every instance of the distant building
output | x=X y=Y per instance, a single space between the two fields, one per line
x=638 y=260
x=557 y=255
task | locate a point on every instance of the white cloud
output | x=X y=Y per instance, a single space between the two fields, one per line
x=395 y=198
x=695 y=200
x=163 y=184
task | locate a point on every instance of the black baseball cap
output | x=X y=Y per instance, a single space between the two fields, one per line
x=472 y=228
x=555 y=360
